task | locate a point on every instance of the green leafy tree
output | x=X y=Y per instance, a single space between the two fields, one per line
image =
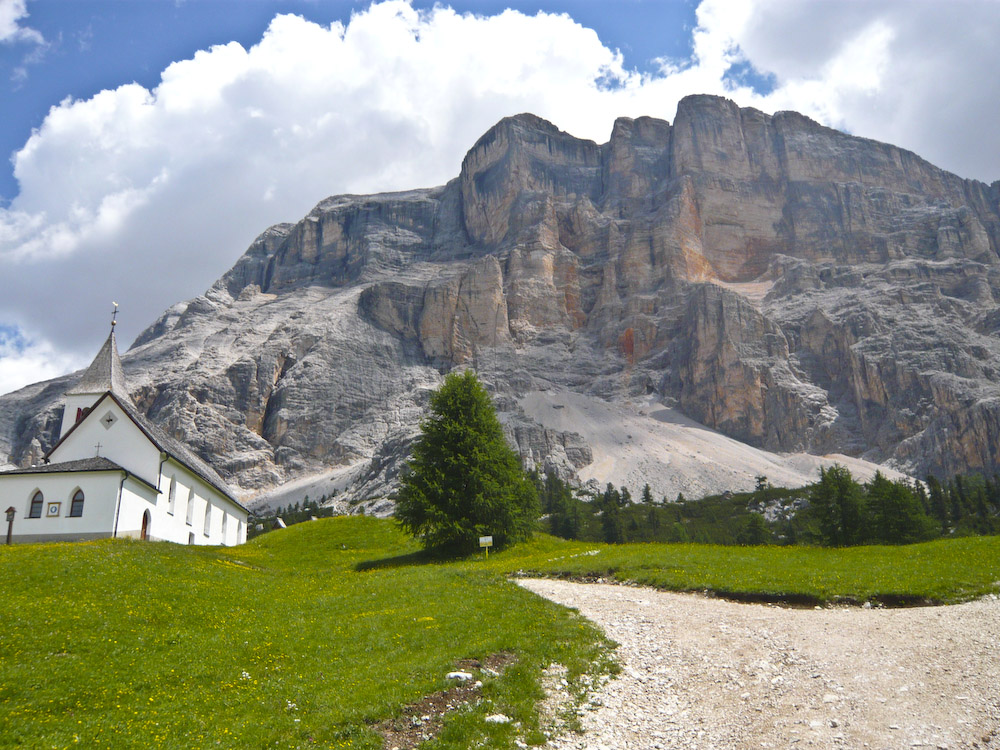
x=463 y=480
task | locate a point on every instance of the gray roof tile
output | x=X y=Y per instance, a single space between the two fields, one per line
x=104 y=374
x=98 y=463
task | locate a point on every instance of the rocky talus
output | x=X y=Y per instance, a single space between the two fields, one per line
x=788 y=285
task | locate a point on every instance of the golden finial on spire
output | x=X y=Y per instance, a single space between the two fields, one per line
x=114 y=315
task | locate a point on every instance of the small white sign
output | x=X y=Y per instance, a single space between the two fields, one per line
x=485 y=541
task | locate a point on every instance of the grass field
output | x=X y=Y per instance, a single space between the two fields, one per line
x=311 y=636
x=942 y=571
x=279 y=643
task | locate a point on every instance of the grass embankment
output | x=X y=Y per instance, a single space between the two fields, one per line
x=287 y=641
x=941 y=571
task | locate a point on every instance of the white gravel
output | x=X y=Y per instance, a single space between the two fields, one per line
x=708 y=673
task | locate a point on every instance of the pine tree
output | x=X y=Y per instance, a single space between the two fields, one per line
x=611 y=515
x=647 y=494
x=463 y=480
x=938 y=501
x=837 y=503
x=895 y=513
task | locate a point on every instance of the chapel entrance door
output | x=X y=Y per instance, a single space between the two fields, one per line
x=145 y=526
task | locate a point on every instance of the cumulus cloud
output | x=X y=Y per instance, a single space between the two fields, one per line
x=147 y=196
x=918 y=74
x=11 y=30
x=24 y=360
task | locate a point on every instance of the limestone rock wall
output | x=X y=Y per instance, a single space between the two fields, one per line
x=792 y=286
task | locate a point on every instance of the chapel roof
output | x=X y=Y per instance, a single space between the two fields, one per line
x=163 y=442
x=178 y=451
x=104 y=374
x=106 y=377
x=97 y=463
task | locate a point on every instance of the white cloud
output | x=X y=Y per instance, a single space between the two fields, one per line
x=11 y=12
x=921 y=75
x=147 y=196
x=24 y=361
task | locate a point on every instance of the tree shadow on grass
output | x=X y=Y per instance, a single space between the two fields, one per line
x=421 y=557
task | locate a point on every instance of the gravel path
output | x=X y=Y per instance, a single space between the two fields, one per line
x=707 y=673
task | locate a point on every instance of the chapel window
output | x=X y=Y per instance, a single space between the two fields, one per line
x=172 y=496
x=189 y=516
x=76 y=508
x=37 y=500
x=208 y=519
x=225 y=518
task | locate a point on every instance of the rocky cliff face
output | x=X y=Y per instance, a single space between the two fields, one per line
x=788 y=285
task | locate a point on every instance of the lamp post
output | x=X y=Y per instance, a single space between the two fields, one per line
x=10 y=523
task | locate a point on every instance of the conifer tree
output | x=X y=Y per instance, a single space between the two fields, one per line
x=895 y=513
x=463 y=480
x=647 y=494
x=837 y=503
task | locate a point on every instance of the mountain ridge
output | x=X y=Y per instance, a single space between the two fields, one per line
x=785 y=284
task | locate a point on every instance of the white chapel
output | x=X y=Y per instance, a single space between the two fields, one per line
x=113 y=473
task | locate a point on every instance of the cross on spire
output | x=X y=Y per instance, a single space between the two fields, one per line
x=114 y=315
x=98 y=447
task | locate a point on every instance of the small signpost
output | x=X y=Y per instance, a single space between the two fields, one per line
x=486 y=542
x=10 y=523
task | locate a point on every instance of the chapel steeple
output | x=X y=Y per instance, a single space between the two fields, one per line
x=104 y=375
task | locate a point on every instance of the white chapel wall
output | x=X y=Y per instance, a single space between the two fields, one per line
x=137 y=499
x=100 y=490
x=175 y=526
x=121 y=441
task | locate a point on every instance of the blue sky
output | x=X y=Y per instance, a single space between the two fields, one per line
x=151 y=140
x=90 y=46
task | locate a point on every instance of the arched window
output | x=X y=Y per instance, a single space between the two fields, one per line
x=76 y=508
x=172 y=496
x=189 y=516
x=208 y=518
x=225 y=518
x=37 y=500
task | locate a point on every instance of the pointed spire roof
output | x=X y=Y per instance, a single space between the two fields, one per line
x=104 y=374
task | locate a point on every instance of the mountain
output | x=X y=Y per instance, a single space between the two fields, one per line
x=687 y=304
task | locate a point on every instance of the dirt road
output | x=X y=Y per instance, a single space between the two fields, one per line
x=708 y=673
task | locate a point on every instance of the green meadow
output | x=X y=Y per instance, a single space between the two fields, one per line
x=282 y=642
x=314 y=635
x=944 y=571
